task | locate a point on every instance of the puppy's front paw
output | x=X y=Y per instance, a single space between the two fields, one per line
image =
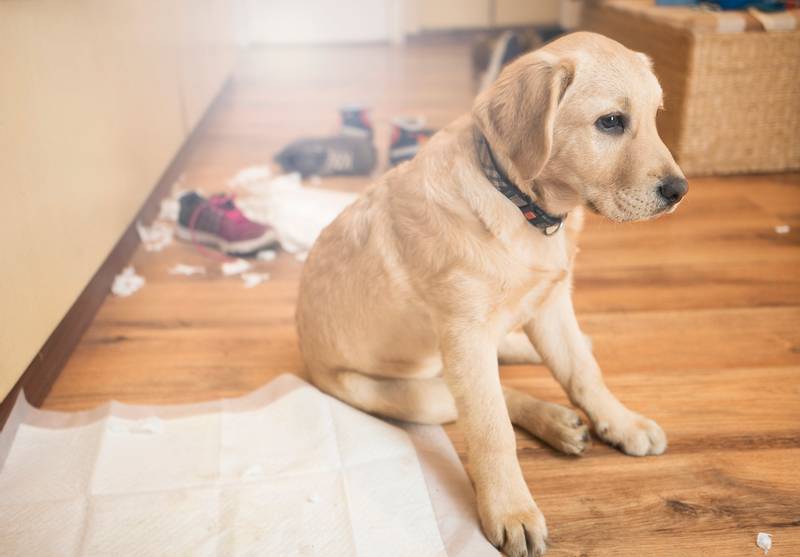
x=517 y=532
x=633 y=434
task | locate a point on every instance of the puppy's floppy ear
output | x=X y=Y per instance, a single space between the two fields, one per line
x=516 y=114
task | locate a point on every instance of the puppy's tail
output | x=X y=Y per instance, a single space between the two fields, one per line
x=422 y=401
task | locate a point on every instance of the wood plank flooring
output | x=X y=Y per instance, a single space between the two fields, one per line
x=695 y=319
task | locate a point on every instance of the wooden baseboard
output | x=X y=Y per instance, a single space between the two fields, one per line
x=43 y=371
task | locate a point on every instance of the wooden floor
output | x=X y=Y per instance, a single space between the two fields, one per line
x=695 y=320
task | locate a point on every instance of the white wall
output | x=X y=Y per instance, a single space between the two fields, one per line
x=315 y=21
x=358 y=21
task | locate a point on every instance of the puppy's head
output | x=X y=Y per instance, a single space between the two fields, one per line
x=575 y=122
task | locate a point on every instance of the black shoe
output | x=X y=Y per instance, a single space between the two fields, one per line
x=508 y=46
x=355 y=121
x=408 y=137
x=329 y=156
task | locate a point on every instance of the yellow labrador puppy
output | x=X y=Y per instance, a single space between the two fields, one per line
x=411 y=294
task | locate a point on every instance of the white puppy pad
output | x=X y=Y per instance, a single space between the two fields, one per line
x=286 y=470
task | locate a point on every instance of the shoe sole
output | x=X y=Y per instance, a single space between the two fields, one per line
x=244 y=247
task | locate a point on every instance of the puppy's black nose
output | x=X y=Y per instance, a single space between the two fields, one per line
x=673 y=188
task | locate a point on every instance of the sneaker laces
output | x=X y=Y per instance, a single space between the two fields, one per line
x=225 y=202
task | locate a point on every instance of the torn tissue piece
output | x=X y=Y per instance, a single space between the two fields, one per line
x=782 y=229
x=267 y=255
x=146 y=426
x=250 y=175
x=764 y=541
x=235 y=267
x=126 y=283
x=302 y=256
x=263 y=190
x=187 y=270
x=169 y=209
x=253 y=471
x=254 y=279
x=155 y=237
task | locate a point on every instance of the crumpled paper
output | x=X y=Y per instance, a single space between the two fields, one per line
x=169 y=209
x=283 y=471
x=764 y=542
x=250 y=175
x=126 y=283
x=155 y=237
x=267 y=255
x=235 y=267
x=252 y=280
x=187 y=270
x=298 y=213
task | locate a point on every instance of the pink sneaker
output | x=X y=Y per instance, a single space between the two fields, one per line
x=218 y=223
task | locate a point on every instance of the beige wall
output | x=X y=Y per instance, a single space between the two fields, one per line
x=453 y=14
x=95 y=99
x=526 y=12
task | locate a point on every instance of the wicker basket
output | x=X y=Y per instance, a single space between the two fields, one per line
x=732 y=100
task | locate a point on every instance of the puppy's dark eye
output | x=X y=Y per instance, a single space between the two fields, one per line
x=611 y=123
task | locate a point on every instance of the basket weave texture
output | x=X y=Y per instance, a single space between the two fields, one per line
x=732 y=100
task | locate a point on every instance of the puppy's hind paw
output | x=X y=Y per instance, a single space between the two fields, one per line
x=569 y=435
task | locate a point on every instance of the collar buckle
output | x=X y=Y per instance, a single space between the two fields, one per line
x=552 y=229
